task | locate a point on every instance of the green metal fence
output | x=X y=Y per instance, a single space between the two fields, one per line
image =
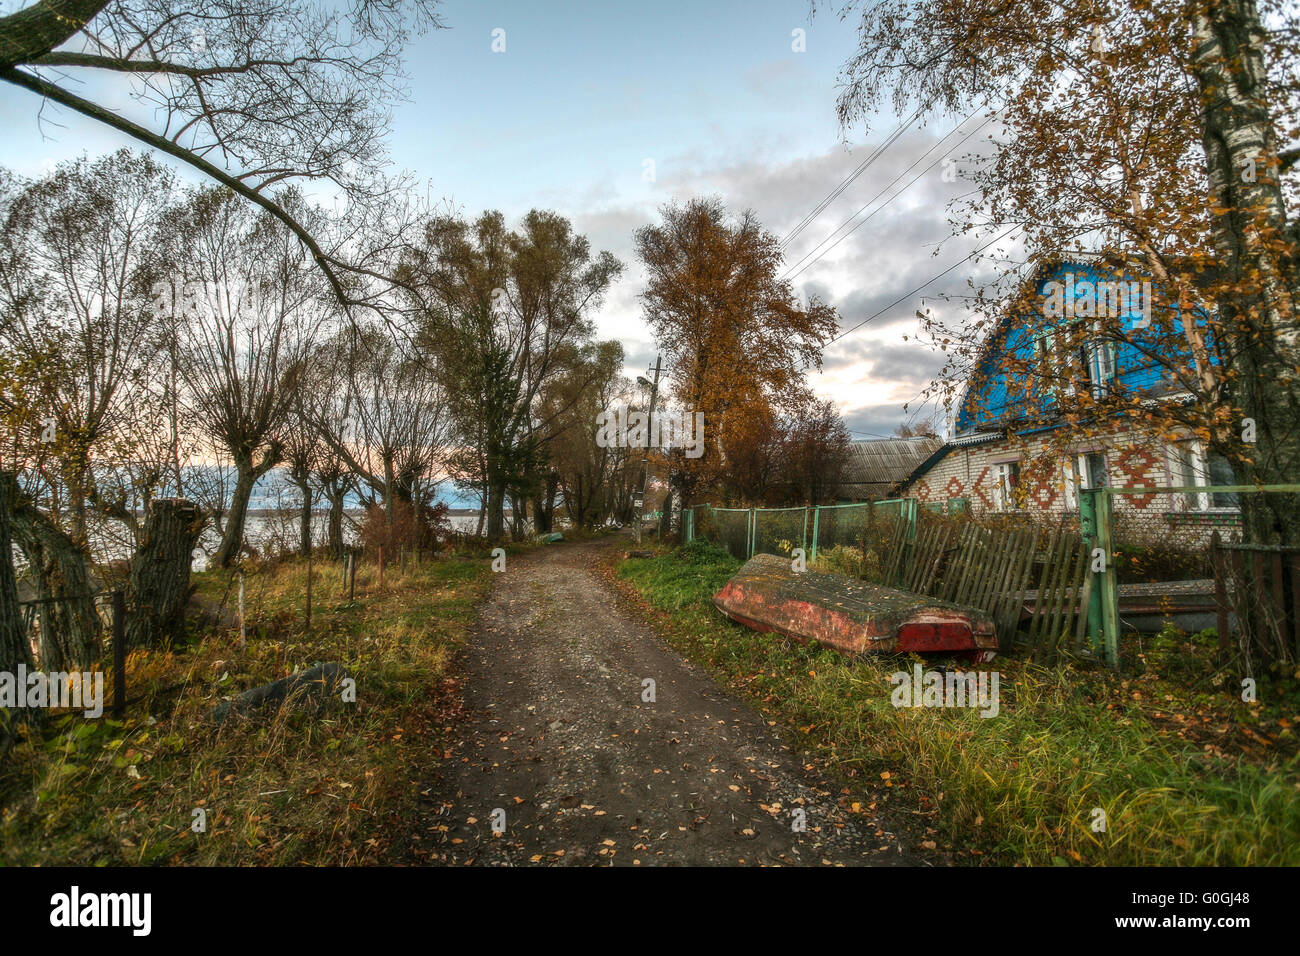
x=1070 y=577
x=744 y=532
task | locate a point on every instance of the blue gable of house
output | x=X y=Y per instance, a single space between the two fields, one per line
x=1059 y=295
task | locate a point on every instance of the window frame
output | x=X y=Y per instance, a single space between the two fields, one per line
x=1194 y=455
x=1004 y=493
x=1079 y=476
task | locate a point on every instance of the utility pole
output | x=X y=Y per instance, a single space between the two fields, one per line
x=639 y=500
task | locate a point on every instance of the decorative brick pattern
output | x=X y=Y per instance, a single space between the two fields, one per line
x=1044 y=494
x=1137 y=465
x=1132 y=459
x=922 y=490
x=981 y=484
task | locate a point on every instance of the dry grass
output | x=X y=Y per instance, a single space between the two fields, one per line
x=339 y=787
x=1186 y=773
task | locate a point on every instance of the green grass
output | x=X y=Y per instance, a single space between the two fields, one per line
x=1020 y=787
x=292 y=788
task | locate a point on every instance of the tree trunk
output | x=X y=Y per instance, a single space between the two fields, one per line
x=666 y=519
x=1257 y=246
x=544 y=504
x=518 y=516
x=69 y=626
x=13 y=639
x=304 y=521
x=233 y=538
x=336 y=522
x=496 y=512
x=160 y=573
x=552 y=487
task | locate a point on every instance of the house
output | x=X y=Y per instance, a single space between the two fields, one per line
x=877 y=468
x=1029 y=433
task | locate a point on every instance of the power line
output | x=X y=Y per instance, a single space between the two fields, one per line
x=908 y=295
x=848 y=180
x=799 y=268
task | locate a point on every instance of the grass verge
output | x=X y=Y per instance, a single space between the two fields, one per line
x=1183 y=775
x=341 y=787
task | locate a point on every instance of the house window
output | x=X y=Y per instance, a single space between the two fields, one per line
x=1193 y=465
x=1046 y=364
x=1081 y=471
x=1101 y=365
x=1005 y=478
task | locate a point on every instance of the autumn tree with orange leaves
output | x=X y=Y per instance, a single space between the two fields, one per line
x=735 y=337
x=1159 y=137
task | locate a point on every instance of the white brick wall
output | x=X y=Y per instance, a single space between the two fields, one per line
x=1132 y=460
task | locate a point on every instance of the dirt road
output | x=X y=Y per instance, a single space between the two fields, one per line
x=565 y=749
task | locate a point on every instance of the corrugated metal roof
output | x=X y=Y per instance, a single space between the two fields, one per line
x=887 y=460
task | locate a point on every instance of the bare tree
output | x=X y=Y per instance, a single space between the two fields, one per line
x=74 y=274
x=252 y=93
x=390 y=426
x=251 y=301
x=82 y=403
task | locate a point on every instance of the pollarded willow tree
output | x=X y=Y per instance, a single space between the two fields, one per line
x=255 y=94
x=502 y=309
x=83 y=417
x=387 y=423
x=246 y=303
x=1154 y=135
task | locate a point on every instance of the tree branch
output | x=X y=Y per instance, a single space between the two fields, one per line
x=86 y=108
x=38 y=29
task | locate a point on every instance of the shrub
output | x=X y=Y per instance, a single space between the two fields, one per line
x=416 y=527
x=849 y=560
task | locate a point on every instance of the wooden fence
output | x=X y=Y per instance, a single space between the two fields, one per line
x=1027 y=579
x=1257 y=587
x=117 y=606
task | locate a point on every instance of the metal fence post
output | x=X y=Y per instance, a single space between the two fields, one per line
x=803 y=541
x=817 y=514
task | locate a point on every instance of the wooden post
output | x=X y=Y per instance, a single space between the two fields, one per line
x=119 y=654
x=381 y=565
x=308 y=617
x=1220 y=590
x=1088 y=526
x=352 y=576
x=243 y=634
x=1295 y=601
x=1109 y=581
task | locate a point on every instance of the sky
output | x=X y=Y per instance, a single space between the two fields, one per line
x=604 y=111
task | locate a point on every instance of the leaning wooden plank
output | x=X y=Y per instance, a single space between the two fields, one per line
x=853 y=616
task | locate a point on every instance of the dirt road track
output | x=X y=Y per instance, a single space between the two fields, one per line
x=588 y=772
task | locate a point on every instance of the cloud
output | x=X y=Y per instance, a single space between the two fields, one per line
x=871 y=275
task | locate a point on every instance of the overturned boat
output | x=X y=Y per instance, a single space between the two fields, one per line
x=853 y=616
